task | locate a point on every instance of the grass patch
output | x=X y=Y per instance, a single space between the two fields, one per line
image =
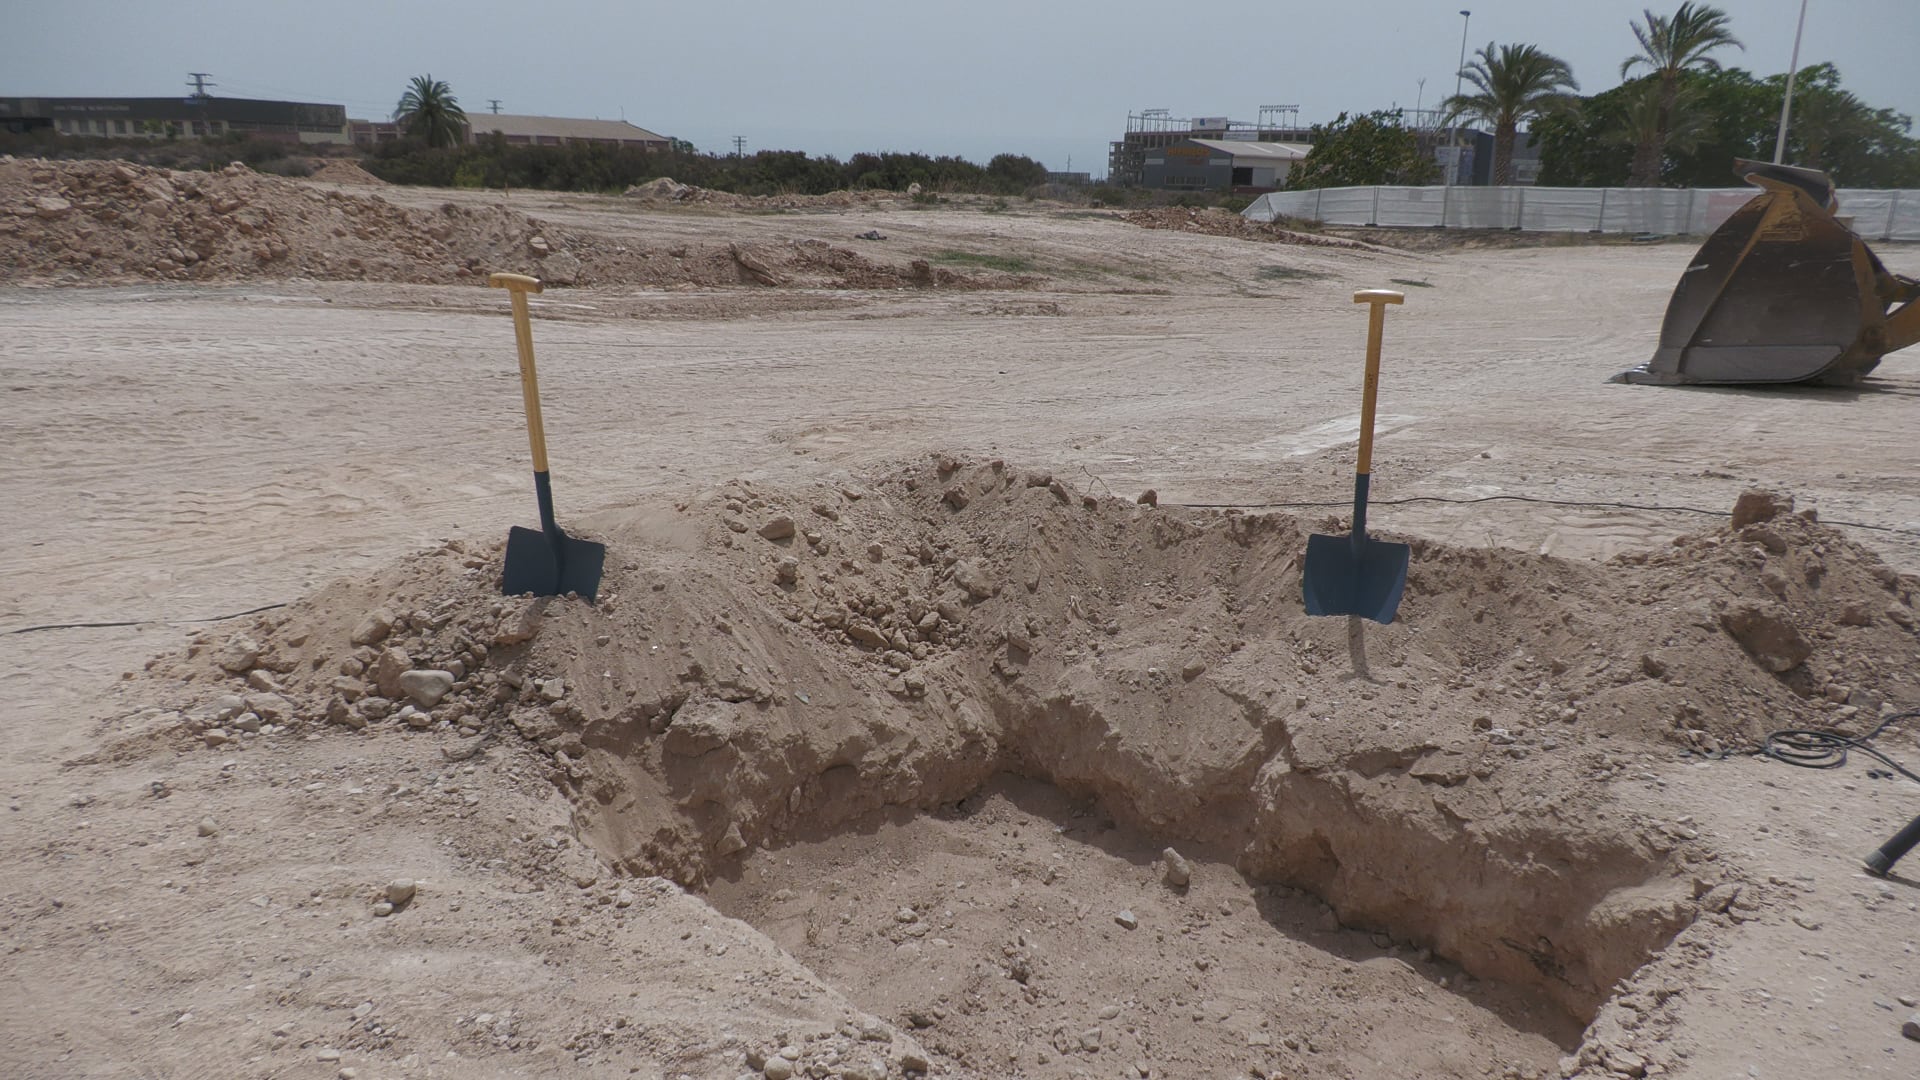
x=1007 y=264
x=1410 y=283
x=1273 y=272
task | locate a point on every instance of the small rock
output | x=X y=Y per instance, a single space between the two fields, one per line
x=216 y=737
x=778 y=528
x=51 y=208
x=1178 y=872
x=971 y=576
x=328 y=1054
x=400 y=891
x=1090 y=1040
x=955 y=497
x=1757 y=506
x=1911 y=1029
x=238 y=655
x=1148 y=497
x=392 y=664
x=207 y=827
x=426 y=686
x=382 y=909
x=374 y=628
x=777 y=1068
x=1126 y=919
x=553 y=689
x=786 y=571
x=914 y=1061
x=262 y=680
x=1767 y=636
x=731 y=842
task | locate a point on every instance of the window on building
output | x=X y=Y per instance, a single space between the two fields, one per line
x=65 y=124
x=119 y=127
x=1243 y=177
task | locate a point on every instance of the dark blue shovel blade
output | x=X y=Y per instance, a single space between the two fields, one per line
x=1345 y=578
x=550 y=565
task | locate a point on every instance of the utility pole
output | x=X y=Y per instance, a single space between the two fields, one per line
x=494 y=105
x=739 y=146
x=1786 y=106
x=200 y=85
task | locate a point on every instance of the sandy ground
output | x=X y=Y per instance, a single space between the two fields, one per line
x=181 y=452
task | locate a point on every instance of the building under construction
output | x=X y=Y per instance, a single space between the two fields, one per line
x=1465 y=151
x=1158 y=129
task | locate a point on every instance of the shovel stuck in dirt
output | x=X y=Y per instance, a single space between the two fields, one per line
x=547 y=562
x=1353 y=575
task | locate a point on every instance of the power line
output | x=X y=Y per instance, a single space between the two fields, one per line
x=493 y=105
x=200 y=83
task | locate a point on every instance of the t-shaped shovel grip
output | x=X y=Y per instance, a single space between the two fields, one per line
x=1376 y=327
x=520 y=285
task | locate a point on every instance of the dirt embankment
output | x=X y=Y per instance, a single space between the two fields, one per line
x=764 y=663
x=96 y=222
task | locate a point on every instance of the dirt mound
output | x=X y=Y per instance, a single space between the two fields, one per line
x=1217 y=222
x=102 y=221
x=765 y=664
x=665 y=189
x=340 y=171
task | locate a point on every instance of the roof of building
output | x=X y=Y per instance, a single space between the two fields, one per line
x=1271 y=151
x=558 y=127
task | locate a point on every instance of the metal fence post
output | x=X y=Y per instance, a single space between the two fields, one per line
x=1374 y=218
x=1693 y=199
x=1893 y=204
x=1520 y=208
x=1446 y=200
x=1317 y=192
x=1600 y=219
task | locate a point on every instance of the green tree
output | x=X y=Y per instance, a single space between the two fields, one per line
x=1014 y=173
x=1375 y=148
x=1669 y=47
x=428 y=111
x=1516 y=83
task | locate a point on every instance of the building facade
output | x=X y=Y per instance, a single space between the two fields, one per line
x=188 y=117
x=1220 y=165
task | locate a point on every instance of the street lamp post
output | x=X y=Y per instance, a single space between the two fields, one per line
x=1453 y=132
x=1786 y=106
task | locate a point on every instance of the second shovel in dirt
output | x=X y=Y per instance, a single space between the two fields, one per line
x=547 y=562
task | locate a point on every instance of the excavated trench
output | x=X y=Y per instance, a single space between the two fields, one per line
x=801 y=701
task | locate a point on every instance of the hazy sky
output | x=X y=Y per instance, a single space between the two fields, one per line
x=1047 y=79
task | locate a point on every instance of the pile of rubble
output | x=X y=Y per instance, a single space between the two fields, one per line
x=667 y=190
x=101 y=222
x=1214 y=221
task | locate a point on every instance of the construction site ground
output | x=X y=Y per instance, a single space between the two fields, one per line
x=968 y=695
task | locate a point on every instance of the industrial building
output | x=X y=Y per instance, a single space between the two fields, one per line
x=1221 y=165
x=1157 y=129
x=175 y=117
x=528 y=131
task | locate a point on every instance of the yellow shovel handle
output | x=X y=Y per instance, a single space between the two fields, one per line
x=1376 y=326
x=520 y=285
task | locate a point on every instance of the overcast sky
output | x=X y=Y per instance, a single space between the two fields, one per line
x=1047 y=79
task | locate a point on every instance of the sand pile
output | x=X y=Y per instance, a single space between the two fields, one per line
x=765 y=663
x=103 y=221
x=1217 y=222
x=341 y=171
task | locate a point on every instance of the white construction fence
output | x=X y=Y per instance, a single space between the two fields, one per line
x=1876 y=215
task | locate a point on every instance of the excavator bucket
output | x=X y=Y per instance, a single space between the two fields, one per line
x=1783 y=292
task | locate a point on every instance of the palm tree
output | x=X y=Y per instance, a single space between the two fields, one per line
x=428 y=110
x=1513 y=84
x=1670 y=45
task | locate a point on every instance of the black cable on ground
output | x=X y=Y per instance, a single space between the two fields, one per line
x=1597 y=503
x=1810 y=749
x=145 y=622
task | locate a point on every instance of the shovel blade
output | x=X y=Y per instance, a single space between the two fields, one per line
x=1364 y=578
x=550 y=564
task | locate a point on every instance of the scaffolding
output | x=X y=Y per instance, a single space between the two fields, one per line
x=1157 y=129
